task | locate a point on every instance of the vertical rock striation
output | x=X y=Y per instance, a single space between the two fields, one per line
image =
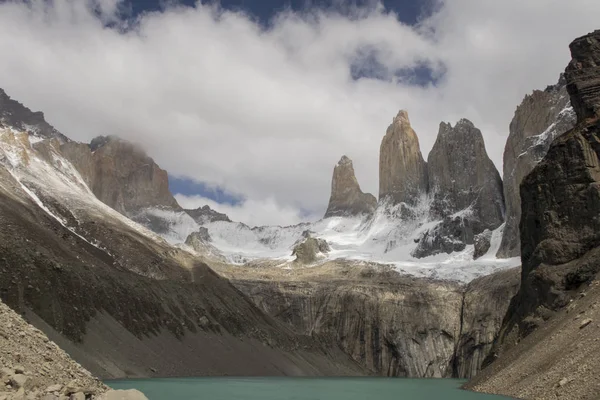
x=462 y=176
x=560 y=203
x=346 y=197
x=402 y=170
x=538 y=120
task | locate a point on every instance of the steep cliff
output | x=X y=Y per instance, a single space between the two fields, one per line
x=548 y=344
x=392 y=324
x=462 y=176
x=402 y=170
x=346 y=197
x=538 y=120
x=120 y=174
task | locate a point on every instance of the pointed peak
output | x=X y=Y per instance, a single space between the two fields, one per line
x=402 y=117
x=344 y=161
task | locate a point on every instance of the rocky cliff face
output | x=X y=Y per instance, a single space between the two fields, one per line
x=538 y=120
x=15 y=114
x=120 y=174
x=462 y=176
x=346 y=197
x=205 y=214
x=560 y=252
x=393 y=325
x=402 y=170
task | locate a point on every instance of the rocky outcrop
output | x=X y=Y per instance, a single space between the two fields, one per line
x=16 y=115
x=394 y=325
x=484 y=304
x=450 y=235
x=462 y=176
x=346 y=197
x=120 y=174
x=32 y=366
x=204 y=215
x=482 y=243
x=560 y=200
x=560 y=252
x=402 y=170
x=308 y=249
x=538 y=120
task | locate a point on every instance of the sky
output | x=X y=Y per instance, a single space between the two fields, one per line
x=249 y=104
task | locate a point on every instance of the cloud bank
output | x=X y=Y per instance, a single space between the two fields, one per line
x=266 y=113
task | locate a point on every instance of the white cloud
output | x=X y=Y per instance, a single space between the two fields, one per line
x=268 y=113
x=251 y=212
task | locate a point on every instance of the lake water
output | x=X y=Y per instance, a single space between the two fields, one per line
x=226 y=388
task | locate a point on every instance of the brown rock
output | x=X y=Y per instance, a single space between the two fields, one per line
x=538 y=120
x=346 y=197
x=402 y=170
x=585 y=323
x=120 y=174
x=307 y=250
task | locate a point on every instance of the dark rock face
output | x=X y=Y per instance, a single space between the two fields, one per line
x=461 y=176
x=538 y=120
x=583 y=76
x=15 y=114
x=205 y=214
x=482 y=243
x=560 y=202
x=450 y=235
x=308 y=249
x=402 y=170
x=484 y=304
x=346 y=197
x=121 y=175
x=395 y=326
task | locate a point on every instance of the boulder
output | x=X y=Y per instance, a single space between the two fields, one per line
x=130 y=394
x=482 y=243
x=308 y=250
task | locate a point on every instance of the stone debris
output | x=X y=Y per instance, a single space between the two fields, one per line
x=585 y=323
x=33 y=367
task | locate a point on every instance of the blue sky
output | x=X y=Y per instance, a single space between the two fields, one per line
x=408 y=11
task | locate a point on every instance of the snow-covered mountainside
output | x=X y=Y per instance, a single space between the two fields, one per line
x=387 y=237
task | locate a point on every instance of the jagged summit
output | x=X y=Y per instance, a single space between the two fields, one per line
x=16 y=115
x=347 y=199
x=462 y=176
x=402 y=169
x=538 y=120
x=205 y=214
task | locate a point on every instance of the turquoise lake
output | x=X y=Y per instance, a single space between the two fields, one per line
x=226 y=388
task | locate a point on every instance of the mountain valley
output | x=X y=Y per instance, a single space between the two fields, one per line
x=449 y=270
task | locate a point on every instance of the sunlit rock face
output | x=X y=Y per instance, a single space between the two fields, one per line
x=402 y=169
x=346 y=197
